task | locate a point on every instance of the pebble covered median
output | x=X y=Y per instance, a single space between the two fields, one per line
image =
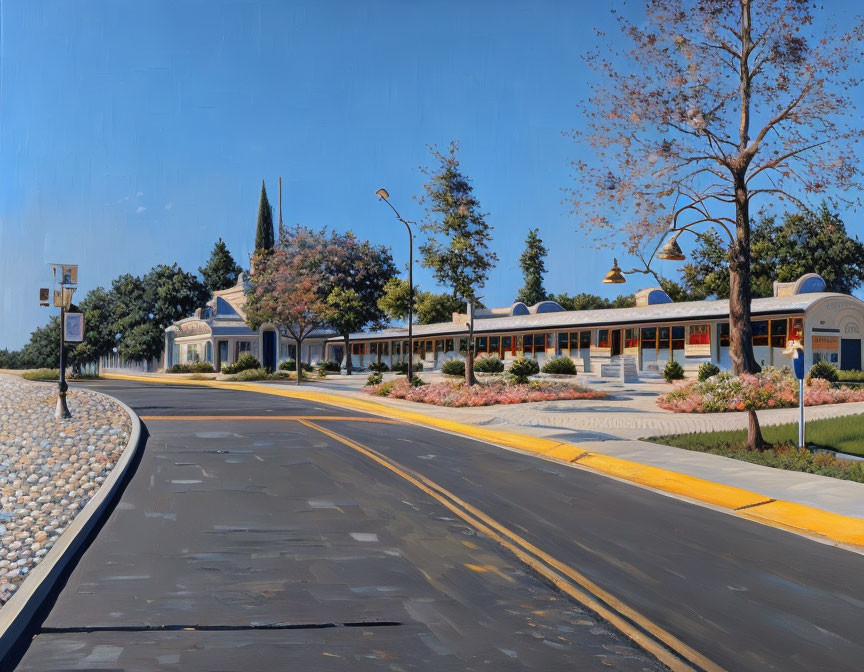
x=49 y=469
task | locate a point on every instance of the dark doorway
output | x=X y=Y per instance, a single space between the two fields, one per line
x=269 y=350
x=221 y=354
x=616 y=342
x=850 y=354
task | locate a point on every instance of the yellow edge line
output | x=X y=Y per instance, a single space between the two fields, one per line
x=780 y=514
x=543 y=563
x=228 y=418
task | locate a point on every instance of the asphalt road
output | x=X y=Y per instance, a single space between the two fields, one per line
x=363 y=544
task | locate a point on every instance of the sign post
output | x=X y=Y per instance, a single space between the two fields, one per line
x=796 y=351
x=65 y=284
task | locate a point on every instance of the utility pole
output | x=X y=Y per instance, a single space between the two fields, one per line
x=280 y=206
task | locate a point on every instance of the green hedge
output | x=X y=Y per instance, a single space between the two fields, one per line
x=673 y=371
x=562 y=366
x=707 y=370
x=453 y=367
x=488 y=365
x=522 y=367
x=245 y=363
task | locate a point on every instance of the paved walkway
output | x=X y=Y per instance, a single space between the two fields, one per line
x=613 y=426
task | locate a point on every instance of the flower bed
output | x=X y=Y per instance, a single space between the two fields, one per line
x=773 y=388
x=483 y=394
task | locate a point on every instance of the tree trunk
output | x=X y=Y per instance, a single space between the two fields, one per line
x=347 y=356
x=470 y=378
x=298 y=363
x=740 y=294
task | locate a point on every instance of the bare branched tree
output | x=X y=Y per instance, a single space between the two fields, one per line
x=713 y=103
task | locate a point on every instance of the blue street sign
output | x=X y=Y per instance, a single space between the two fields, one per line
x=798 y=364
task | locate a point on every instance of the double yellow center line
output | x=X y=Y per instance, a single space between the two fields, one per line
x=668 y=649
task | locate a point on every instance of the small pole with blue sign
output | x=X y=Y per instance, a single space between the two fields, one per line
x=796 y=351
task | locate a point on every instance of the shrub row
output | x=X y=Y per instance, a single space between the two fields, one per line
x=197 y=367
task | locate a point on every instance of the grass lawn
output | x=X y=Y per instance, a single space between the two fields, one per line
x=844 y=435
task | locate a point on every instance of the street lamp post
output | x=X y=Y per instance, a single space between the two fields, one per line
x=384 y=196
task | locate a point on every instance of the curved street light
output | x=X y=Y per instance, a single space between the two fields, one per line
x=383 y=195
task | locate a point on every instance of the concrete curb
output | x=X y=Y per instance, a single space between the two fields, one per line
x=17 y=613
x=790 y=516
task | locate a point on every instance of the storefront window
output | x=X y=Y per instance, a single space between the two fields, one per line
x=677 y=338
x=494 y=345
x=826 y=349
x=700 y=334
x=241 y=348
x=663 y=338
x=760 y=332
x=649 y=338
x=358 y=349
x=564 y=343
x=724 y=334
x=448 y=345
x=584 y=340
x=463 y=346
x=778 y=333
x=796 y=329
x=603 y=338
x=520 y=348
x=439 y=345
x=631 y=338
x=482 y=344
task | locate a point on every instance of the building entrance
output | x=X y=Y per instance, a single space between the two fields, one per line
x=850 y=354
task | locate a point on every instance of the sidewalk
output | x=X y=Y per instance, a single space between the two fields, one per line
x=613 y=426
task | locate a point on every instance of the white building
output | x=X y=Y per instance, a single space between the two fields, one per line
x=643 y=338
x=218 y=334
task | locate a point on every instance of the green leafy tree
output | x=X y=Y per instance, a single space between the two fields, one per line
x=802 y=242
x=264 y=239
x=221 y=271
x=457 y=249
x=42 y=351
x=355 y=274
x=432 y=307
x=99 y=333
x=395 y=299
x=533 y=268
x=584 y=301
x=346 y=313
x=144 y=307
x=429 y=307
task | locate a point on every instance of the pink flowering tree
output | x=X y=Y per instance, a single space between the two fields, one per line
x=285 y=286
x=710 y=105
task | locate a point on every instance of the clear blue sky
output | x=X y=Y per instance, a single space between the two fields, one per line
x=137 y=132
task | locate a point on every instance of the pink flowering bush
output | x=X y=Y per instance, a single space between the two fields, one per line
x=457 y=394
x=772 y=388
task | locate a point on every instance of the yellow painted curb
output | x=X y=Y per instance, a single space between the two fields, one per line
x=755 y=506
x=794 y=516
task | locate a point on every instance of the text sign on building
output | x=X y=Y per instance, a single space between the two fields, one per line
x=74 y=327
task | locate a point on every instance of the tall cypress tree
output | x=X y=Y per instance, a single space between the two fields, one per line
x=264 y=231
x=533 y=268
x=221 y=271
